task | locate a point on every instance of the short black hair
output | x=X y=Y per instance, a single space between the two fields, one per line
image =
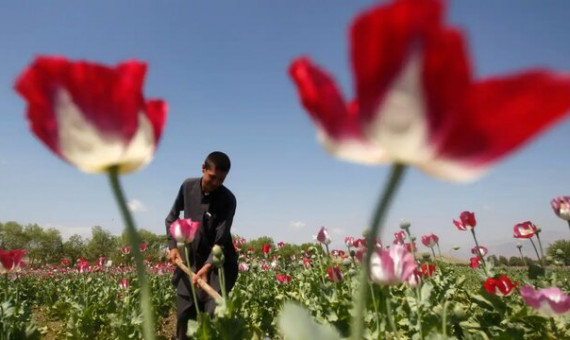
x=219 y=161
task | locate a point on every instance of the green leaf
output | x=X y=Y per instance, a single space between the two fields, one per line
x=295 y=323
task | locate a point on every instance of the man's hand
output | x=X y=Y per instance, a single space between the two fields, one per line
x=174 y=255
x=201 y=274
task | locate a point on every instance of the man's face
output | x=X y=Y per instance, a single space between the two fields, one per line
x=212 y=178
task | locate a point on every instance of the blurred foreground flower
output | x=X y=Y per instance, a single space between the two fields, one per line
x=550 y=301
x=11 y=260
x=96 y=118
x=91 y=115
x=416 y=101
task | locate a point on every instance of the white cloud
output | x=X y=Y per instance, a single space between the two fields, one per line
x=136 y=206
x=297 y=224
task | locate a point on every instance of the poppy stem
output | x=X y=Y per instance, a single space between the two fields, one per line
x=540 y=246
x=375 y=306
x=535 y=250
x=522 y=257
x=479 y=252
x=134 y=240
x=394 y=178
x=191 y=284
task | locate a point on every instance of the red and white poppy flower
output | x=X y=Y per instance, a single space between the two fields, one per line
x=91 y=115
x=501 y=286
x=524 y=230
x=416 y=101
x=466 y=221
x=430 y=240
x=481 y=249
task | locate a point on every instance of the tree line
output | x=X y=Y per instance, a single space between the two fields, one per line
x=46 y=246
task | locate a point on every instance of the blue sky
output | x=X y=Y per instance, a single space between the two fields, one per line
x=222 y=67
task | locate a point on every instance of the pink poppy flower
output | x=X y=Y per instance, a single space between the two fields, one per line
x=393 y=266
x=184 y=230
x=561 y=207
x=243 y=267
x=399 y=237
x=91 y=115
x=334 y=274
x=126 y=250
x=281 y=245
x=143 y=247
x=323 y=236
x=524 y=230
x=65 y=262
x=283 y=278
x=550 y=301
x=430 y=240
x=501 y=286
x=239 y=241
x=266 y=248
x=416 y=101
x=306 y=262
x=482 y=249
x=349 y=241
x=466 y=221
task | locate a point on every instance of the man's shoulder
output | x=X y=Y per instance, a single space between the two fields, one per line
x=191 y=181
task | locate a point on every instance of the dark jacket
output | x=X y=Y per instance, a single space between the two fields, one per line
x=215 y=212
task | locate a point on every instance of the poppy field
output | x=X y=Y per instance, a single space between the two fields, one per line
x=416 y=103
x=290 y=292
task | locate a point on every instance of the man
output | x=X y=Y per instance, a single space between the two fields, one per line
x=205 y=200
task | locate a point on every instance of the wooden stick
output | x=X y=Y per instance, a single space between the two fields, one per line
x=204 y=285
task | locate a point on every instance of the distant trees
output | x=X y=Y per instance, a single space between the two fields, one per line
x=45 y=246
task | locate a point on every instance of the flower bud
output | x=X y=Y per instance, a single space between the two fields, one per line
x=405 y=225
x=459 y=312
x=216 y=250
x=219 y=260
